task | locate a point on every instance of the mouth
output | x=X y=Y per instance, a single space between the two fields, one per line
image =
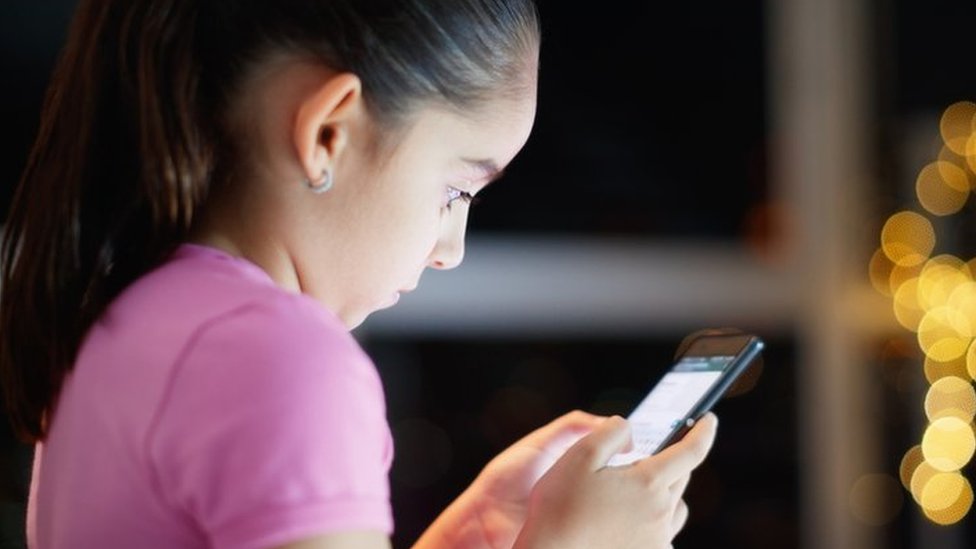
x=395 y=297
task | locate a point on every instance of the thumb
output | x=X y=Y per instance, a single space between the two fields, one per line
x=688 y=453
x=595 y=449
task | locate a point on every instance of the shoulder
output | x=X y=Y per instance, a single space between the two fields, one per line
x=280 y=323
x=205 y=307
x=274 y=368
x=213 y=322
x=274 y=418
x=278 y=371
x=277 y=340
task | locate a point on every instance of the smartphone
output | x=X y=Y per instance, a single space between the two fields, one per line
x=700 y=376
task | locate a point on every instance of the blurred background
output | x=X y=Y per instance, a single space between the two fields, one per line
x=796 y=168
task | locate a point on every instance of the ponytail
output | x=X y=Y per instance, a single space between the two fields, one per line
x=127 y=148
x=120 y=164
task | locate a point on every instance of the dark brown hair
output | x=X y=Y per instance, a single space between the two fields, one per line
x=131 y=139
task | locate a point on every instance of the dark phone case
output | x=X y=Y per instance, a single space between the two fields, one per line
x=752 y=353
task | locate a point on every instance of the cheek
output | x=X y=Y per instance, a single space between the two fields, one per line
x=411 y=230
x=406 y=213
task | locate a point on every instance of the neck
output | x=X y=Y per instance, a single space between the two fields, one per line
x=216 y=228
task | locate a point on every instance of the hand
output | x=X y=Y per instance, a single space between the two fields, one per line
x=502 y=490
x=581 y=503
x=492 y=511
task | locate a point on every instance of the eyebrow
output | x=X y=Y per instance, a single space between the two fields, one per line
x=488 y=168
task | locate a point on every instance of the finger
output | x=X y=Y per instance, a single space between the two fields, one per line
x=610 y=437
x=682 y=457
x=678 y=488
x=563 y=432
x=680 y=517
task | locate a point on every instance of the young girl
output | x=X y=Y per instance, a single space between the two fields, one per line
x=220 y=190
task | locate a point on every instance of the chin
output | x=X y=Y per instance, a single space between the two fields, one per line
x=354 y=321
x=355 y=317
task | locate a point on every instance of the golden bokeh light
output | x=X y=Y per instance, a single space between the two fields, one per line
x=907 y=238
x=920 y=477
x=909 y=462
x=908 y=311
x=934 y=297
x=946 y=498
x=949 y=260
x=951 y=397
x=875 y=499
x=963 y=300
x=948 y=155
x=971 y=153
x=942 y=188
x=956 y=125
x=948 y=444
x=971 y=360
x=942 y=334
x=940 y=277
x=880 y=270
x=901 y=274
x=935 y=370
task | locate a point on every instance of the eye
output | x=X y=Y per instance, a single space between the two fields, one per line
x=454 y=194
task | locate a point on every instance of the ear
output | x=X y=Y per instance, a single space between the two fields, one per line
x=322 y=122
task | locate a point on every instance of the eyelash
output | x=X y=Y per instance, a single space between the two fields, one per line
x=454 y=193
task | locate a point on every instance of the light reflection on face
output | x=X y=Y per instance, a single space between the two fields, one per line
x=412 y=212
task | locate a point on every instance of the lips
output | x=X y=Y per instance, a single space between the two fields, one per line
x=395 y=298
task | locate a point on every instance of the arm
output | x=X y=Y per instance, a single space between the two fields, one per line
x=577 y=502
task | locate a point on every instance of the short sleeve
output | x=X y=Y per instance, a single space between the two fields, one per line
x=274 y=429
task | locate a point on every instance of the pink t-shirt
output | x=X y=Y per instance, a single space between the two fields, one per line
x=209 y=408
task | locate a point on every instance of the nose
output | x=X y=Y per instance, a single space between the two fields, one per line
x=449 y=250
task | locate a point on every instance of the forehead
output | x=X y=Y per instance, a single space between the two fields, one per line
x=497 y=130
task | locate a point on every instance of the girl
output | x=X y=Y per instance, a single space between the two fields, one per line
x=220 y=190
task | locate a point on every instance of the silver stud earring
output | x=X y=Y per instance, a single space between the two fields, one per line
x=322 y=185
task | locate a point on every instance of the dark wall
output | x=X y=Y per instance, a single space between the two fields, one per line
x=651 y=122
x=30 y=38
